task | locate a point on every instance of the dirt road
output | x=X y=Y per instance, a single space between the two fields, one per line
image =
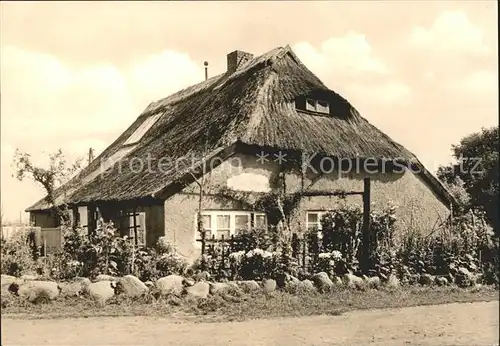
x=452 y=324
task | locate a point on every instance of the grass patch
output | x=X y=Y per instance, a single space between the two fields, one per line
x=248 y=306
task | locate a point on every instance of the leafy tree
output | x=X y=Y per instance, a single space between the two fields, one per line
x=477 y=169
x=58 y=172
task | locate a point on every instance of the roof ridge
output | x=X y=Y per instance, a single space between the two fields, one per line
x=155 y=106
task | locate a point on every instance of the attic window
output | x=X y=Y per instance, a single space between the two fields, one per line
x=142 y=129
x=317 y=106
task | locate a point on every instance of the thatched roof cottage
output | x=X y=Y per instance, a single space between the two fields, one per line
x=244 y=126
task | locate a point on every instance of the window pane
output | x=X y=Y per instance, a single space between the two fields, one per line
x=311 y=105
x=142 y=129
x=141 y=237
x=312 y=217
x=207 y=221
x=260 y=221
x=323 y=107
x=241 y=222
x=223 y=222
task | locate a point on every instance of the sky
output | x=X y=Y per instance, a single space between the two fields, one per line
x=75 y=75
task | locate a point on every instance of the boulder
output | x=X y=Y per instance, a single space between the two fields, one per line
x=233 y=284
x=464 y=278
x=269 y=285
x=198 y=290
x=372 y=282
x=249 y=286
x=337 y=281
x=75 y=288
x=353 y=282
x=102 y=291
x=29 y=277
x=85 y=282
x=426 y=279
x=70 y=289
x=322 y=282
x=219 y=287
x=392 y=281
x=35 y=291
x=306 y=286
x=104 y=277
x=441 y=281
x=7 y=280
x=284 y=279
x=131 y=286
x=170 y=285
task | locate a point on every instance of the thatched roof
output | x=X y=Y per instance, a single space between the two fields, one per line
x=252 y=106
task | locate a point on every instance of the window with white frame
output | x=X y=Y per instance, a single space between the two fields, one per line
x=313 y=219
x=225 y=223
x=317 y=106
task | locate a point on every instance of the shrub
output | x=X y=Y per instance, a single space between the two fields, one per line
x=17 y=254
x=255 y=264
x=170 y=263
x=255 y=238
x=341 y=231
x=105 y=252
x=327 y=262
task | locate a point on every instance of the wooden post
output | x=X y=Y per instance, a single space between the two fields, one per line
x=304 y=249
x=222 y=245
x=135 y=239
x=135 y=225
x=90 y=219
x=76 y=216
x=365 y=260
x=202 y=240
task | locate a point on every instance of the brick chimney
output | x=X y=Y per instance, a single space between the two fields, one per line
x=237 y=59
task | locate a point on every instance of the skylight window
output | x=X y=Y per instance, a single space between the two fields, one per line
x=142 y=129
x=317 y=106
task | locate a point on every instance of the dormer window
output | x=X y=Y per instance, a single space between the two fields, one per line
x=322 y=107
x=317 y=106
x=314 y=105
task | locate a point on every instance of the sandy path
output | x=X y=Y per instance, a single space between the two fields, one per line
x=452 y=324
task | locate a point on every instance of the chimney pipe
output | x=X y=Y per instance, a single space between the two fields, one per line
x=91 y=155
x=206 y=69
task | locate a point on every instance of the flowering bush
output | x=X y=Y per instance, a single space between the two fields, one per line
x=327 y=262
x=256 y=264
x=466 y=243
x=341 y=234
